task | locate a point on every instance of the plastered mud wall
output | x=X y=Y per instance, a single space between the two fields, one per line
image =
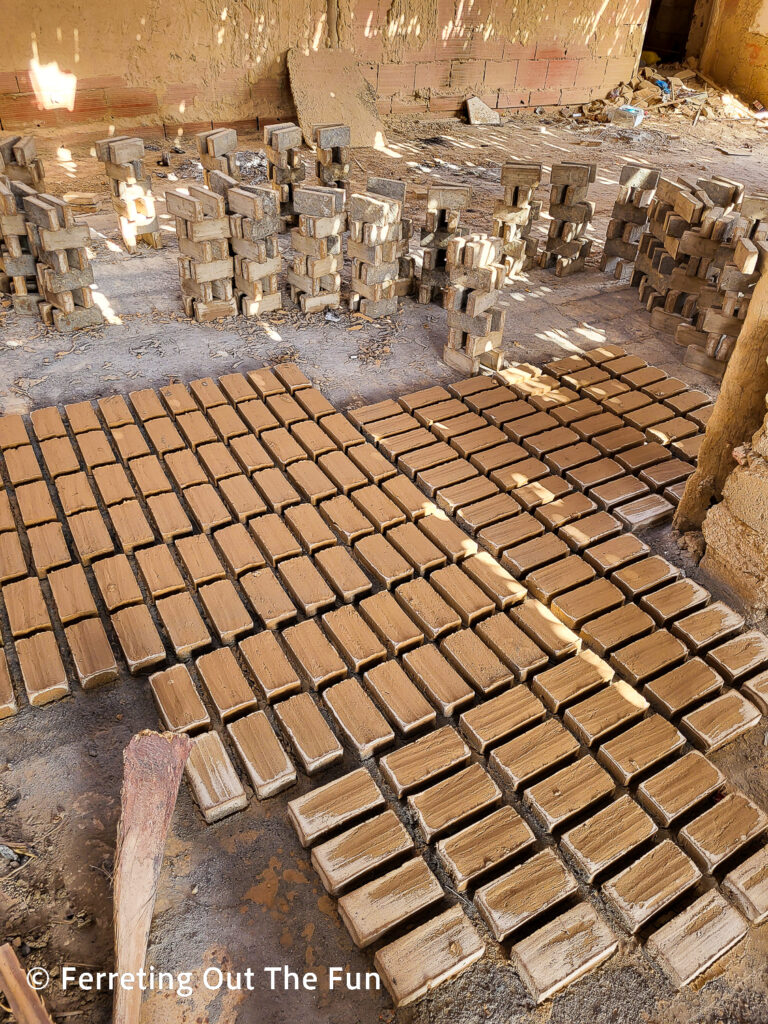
x=736 y=50
x=203 y=61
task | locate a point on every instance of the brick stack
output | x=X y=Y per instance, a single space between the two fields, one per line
x=63 y=267
x=566 y=248
x=19 y=161
x=444 y=206
x=315 y=279
x=17 y=260
x=405 y=282
x=375 y=262
x=637 y=187
x=285 y=168
x=132 y=198
x=333 y=144
x=475 y=321
x=513 y=216
x=217 y=150
x=205 y=264
x=254 y=222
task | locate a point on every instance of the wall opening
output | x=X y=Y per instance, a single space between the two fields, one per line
x=669 y=25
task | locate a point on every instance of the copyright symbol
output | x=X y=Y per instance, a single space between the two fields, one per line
x=38 y=978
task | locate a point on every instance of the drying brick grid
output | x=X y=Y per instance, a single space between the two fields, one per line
x=192 y=453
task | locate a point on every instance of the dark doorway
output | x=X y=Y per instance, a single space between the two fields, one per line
x=668 y=26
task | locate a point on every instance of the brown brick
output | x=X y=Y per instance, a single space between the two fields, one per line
x=509 y=533
x=511 y=645
x=242 y=497
x=382 y=561
x=42 y=671
x=267 y=598
x=147 y=405
x=476 y=661
x=720 y=721
x=22 y=466
x=112 y=482
x=178 y=399
x=75 y=493
x=636 y=459
x=237 y=388
x=225 y=610
x=677 y=690
x=159 y=570
x=550 y=581
x=130 y=525
x=650 y=884
x=46 y=423
x=90 y=535
x=225 y=683
x=183 y=623
x=484 y=846
x=576 y=412
x=575 y=455
x=568 y=792
x=207 y=393
x=25 y=607
x=207 y=508
x=95 y=449
x=541 y=492
x=616 y=553
x=265 y=382
x=611 y=709
x=305 y=585
x=130 y=441
x=185 y=469
x=164 y=435
x=13 y=432
x=178 y=702
x=169 y=516
x=565 y=510
x=617 y=628
x=709 y=626
x=640 y=748
x=274 y=538
x=149 y=476
x=35 y=504
x=48 y=547
x=138 y=637
x=523 y=557
x=312 y=438
x=590 y=530
x=311 y=481
x=82 y=417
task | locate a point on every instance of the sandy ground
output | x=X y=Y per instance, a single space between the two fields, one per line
x=242 y=893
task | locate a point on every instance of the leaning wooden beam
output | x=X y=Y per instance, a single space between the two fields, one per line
x=152 y=767
x=739 y=411
x=26 y=1005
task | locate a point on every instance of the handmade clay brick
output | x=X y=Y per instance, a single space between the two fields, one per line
x=560 y=577
x=177 y=700
x=59 y=457
x=282 y=446
x=617 y=628
x=510 y=533
x=646 y=887
x=149 y=476
x=346 y=519
x=747 y=886
x=678 y=788
x=376 y=411
x=427 y=457
x=146 y=404
x=494 y=580
x=348 y=858
x=494 y=459
x=168 y=515
x=398 y=698
x=91 y=536
x=314 y=403
x=484 y=846
x=712 y=625
x=428 y=610
x=358 y=718
x=424 y=760
x=423 y=398
x=225 y=683
x=200 y=560
x=310 y=737
x=178 y=399
x=41 y=668
x=649 y=656
x=740 y=657
x=213 y=779
x=512 y=645
x=129 y=441
x=353 y=638
x=316 y=659
x=326 y=808
x=498 y=719
x=382 y=560
x=237 y=388
x=313 y=439
x=71 y=594
x=258 y=416
x=448 y=429
x=720 y=832
x=46 y=423
x=429 y=955
x=207 y=508
x=572 y=680
x=241 y=496
x=757 y=690
x=207 y=392
x=545 y=629
x=455 y=497
x=615 y=553
x=482 y=515
x=306 y=586
x=268 y=665
x=164 y=435
x=12 y=561
x=440 y=411
x=586 y=602
x=525 y=892
x=520 y=474
x=23 y=467
x=342 y=471
x=451 y=540
x=238 y=549
x=445 y=805
x=565 y=510
x=679 y=689
x=645 y=512
x=309 y=527
x=416 y=548
x=35 y=505
x=471 y=386
x=342 y=573
x=13 y=433
x=407 y=497
x=575 y=455
x=720 y=721
x=532 y=554
x=265 y=382
x=568 y=792
x=185 y=469
x=311 y=482
x=465 y=597
x=82 y=417
x=275 y=539
x=541 y=492
x=644 y=575
x=138 y=637
x=183 y=623
x=48 y=547
x=25 y=607
x=371 y=462
x=286 y=409
x=437 y=680
x=225 y=610
x=636 y=459
x=196 y=429
x=130 y=525
x=666 y=473
x=390 y=623
x=563 y=950
x=377 y=507
x=640 y=748
x=217 y=461
x=591 y=529
x=608 y=836
x=95 y=449
x=76 y=495
x=8 y=704
x=613 y=708
x=267 y=598
x=409 y=443
x=117 y=583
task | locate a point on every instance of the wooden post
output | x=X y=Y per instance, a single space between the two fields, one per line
x=152 y=767
x=26 y=1005
x=739 y=412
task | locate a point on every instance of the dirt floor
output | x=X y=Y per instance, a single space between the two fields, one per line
x=242 y=894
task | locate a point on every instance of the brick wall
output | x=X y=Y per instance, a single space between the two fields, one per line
x=427 y=55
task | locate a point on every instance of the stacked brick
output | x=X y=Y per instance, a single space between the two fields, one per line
x=378 y=246
x=332 y=154
x=254 y=222
x=566 y=247
x=132 y=198
x=206 y=267
x=63 y=268
x=637 y=187
x=18 y=267
x=217 y=151
x=444 y=206
x=285 y=168
x=315 y=278
x=475 y=321
x=513 y=216
x=19 y=161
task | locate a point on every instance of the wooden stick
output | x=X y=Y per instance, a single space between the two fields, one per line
x=152 y=767
x=26 y=1005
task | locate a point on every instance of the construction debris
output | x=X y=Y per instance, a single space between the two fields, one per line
x=218 y=152
x=566 y=248
x=19 y=161
x=513 y=216
x=479 y=112
x=285 y=168
x=637 y=187
x=444 y=206
x=315 y=279
x=475 y=320
x=132 y=199
x=332 y=153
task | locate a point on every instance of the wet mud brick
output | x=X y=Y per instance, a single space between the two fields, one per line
x=269 y=667
x=572 y=680
x=41 y=668
x=604 y=713
x=267 y=598
x=365 y=848
x=476 y=662
x=325 y=809
x=499 y=718
x=608 y=836
x=429 y=611
x=213 y=779
x=183 y=624
x=568 y=792
x=358 y=719
x=520 y=761
x=383 y=903
x=267 y=765
x=640 y=748
x=649 y=656
x=677 y=789
x=178 y=702
x=641 y=891
x=720 y=832
x=390 y=623
x=310 y=737
x=445 y=805
x=138 y=638
x=225 y=683
x=525 y=892
x=437 y=679
x=484 y=846
x=398 y=698
x=92 y=653
x=747 y=886
x=511 y=645
x=225 y=611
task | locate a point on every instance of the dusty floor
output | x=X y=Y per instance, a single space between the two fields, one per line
x=242 y=894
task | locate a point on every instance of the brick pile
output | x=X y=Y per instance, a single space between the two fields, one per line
x=63 y=268
x=566 y=248
x=315 y=278
x=378 y=246
x=206 y=269
x=17 y=260
x=475 y=320
x=19 y=161
x=637 y=187
x=444 y=206
x=513 y=216
x=285 y=168
x=217 y=150
x=254 y=223
x=132 y=198
x=332 y=153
